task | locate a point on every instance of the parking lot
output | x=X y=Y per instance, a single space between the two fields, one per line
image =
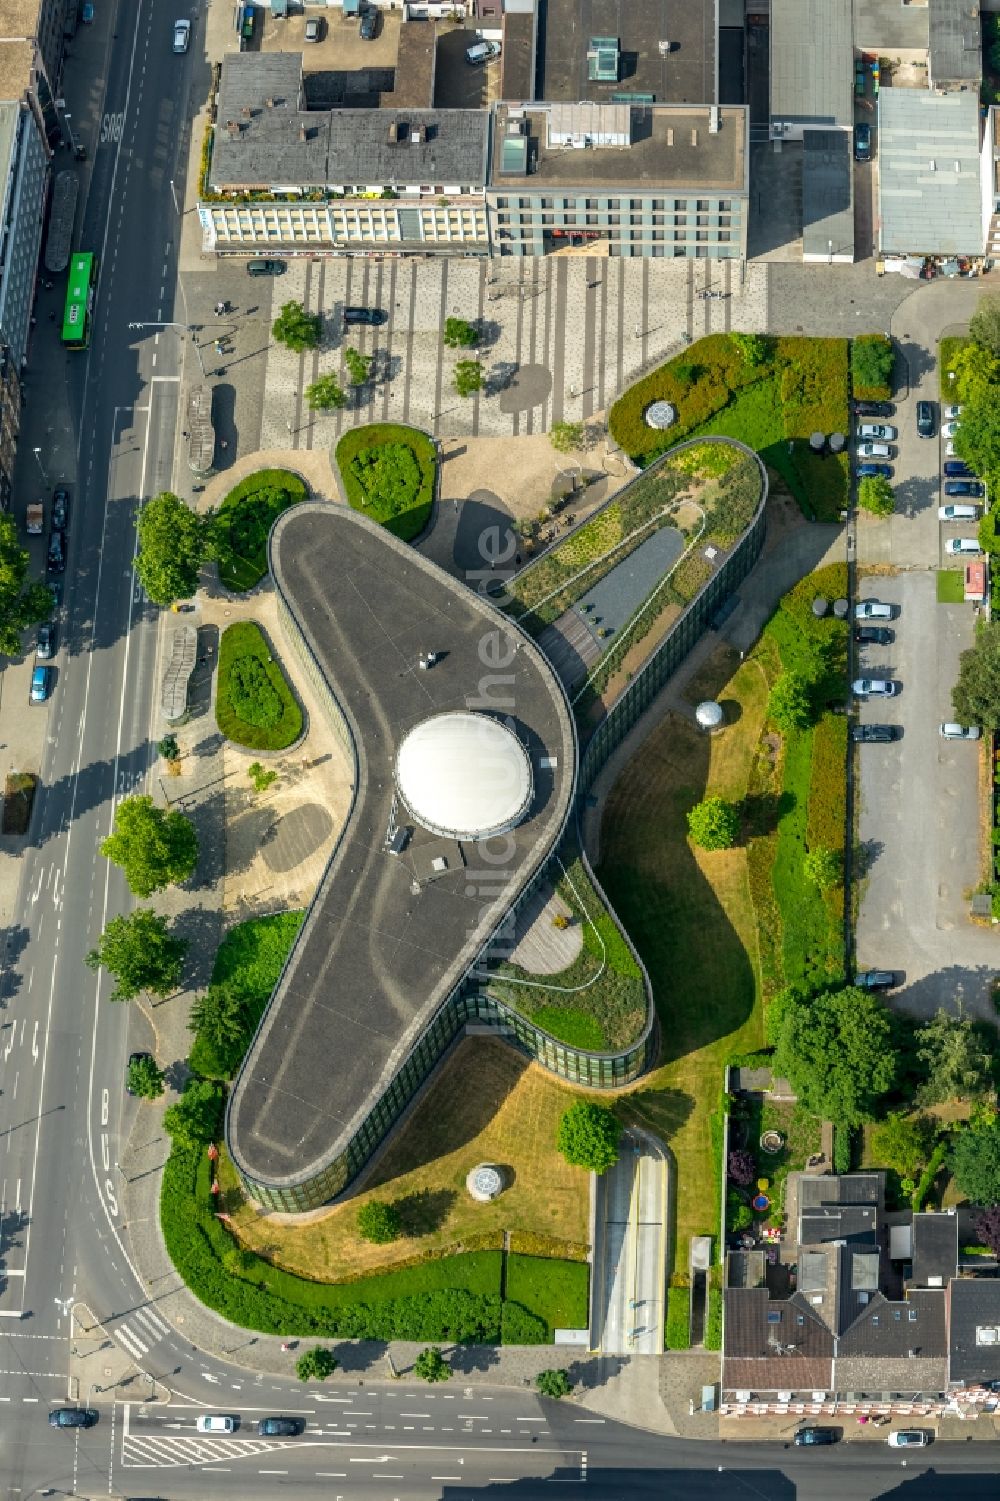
x=918 y=818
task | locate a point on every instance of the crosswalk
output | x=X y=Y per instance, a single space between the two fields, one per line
x=160 y=1451
x=140 y=1332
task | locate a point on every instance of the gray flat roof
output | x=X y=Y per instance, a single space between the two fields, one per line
x=930 y=198
x=954 y=52
x=686 y=75
x=827 y=193
x=387 y=938
x=671 y=148
x=812 y=62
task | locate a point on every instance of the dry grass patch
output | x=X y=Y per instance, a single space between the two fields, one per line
x=487 y=1105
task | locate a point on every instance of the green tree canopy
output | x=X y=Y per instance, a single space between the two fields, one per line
x=977 y=373
x=714 y=824
x=553 y=1383
x=325 y=393
x=789 y=703
x=976 y=695
x=978 y=438
x=957 y=1063
x=875 y=494
x=588 y=1136
x=141 y=953
x=297 y=329
x=197 y=1115
x=565 y=437
x=430 y=1365
x=359 y=366
x=220 y=1015
x=975 y=1161
x=22 y=602
x=468 y=377
x=316 y=1364
x=174 y=542
x=459 y=334
x=154 y=847
x=984 y=325
x=823 y=867
x=168 y=748
x=872 y=361
x=145 y=1077
x=379 y=1222
x=902 y=1142
x=755 y=348
x=838 y=1052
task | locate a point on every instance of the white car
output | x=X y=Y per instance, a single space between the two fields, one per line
x=182 y=35
x=874 y=451
x=952 y=731
x=872 y=609
x=880 y=430
x=962 y=547
x=958 y=512
x=215 y=1422
x=952 y=413
x=949 y=429
x=907 y=1438
x=873 y=688
x=949 y=450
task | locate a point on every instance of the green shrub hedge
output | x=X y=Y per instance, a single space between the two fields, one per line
x=252 y=690
x=248 y=963
x=243 y=523
x=388 y=472
x=555 y=1293
x=872 y=361
x=677 y=1331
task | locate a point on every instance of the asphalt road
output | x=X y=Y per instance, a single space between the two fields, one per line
x=630 y=1251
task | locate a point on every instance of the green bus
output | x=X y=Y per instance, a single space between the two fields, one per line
x=79 y=310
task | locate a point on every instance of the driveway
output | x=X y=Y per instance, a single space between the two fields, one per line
x=630 y=1250
x=918 y=817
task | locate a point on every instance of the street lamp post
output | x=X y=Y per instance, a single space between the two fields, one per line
x=173 y=194
x=191 y=328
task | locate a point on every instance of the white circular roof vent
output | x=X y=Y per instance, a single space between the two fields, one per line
x=464 y=775
x=485 y=1182
x=709 y=715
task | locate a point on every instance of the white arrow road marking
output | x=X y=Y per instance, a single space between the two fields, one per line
x=34 y=1043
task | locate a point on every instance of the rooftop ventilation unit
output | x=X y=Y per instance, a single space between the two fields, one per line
x=603 y=59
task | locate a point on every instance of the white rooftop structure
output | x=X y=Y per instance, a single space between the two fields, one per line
x=464 y=775
x=930 y=190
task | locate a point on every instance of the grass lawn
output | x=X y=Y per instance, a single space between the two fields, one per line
x=487 y=1105
x=388 y=472
x=947 y=350
x=802 y=1137
x=244 y=522
x=555 y=1291
x=248 y=962
x=254 y=706
x=692 y=920
x=950 y=586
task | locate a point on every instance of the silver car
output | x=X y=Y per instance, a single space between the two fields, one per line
x=874 y=688
x=952 y=731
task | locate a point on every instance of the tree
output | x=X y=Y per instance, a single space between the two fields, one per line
x=141 y=953
x=174 y=542
x=359 y=366
x=903 y=1142
x=823 y=867
x=468 y=377
x=297 y=329
x=872 y=361
x=220 y=1015
x=154 y=847
x=741 y=1167
x=588 y=1136
x=755 y=348
x=976 y=695
x=379 y=1222
x=789 y=703
x=316 y=1364
x=987 y=1226
x=957 y=1064
x=875 y=494
x=261 y=777
x=714 y=823
x=145 y=1077
x=976 y=373
x=977 y=440
x=838 y=1052
x=197 y=1116
x=565 y=437
x=458 y=334
x=325 y=393
x=975 y=1162
x=430 y=1365
x=168 y=748
x=22 y=602
x=984 y=325
x=553 y=1383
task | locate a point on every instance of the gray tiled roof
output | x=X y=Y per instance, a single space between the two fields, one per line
x=827 y=193
x=974 y=1330
x=935 y=1247
x=954 y=44
x=885 y=1330
x=929 y=184
x=812 y=55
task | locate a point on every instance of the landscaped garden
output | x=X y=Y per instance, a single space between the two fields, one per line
x=254 y=705
x=243 y=524
x=388 y=472
x=772 y=394
x=246 y=970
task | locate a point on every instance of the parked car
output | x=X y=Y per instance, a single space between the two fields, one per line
x=958 y=513
x=949 y=429
x=41 y=685
x=972 y=487
x=957 y=469
x=962 y=547
x=949 y=449
x=952 y=413
x=87 y=12
x=56 y=557
x=872 y=635
x=73 y=1417
x=370 y=315
x=925 y=419
x=874 y=451
x=313 y=31
x=45 y=646
x=266 y=268
x=808 y=1436
x=368 y=30
x=873 y=609
x=907 y=1438
x=875 y=979
x=879 y=430
x=873 y=734
x=482 y=52
x=60 y=508
x=182 y=35
x=279 y=1427
x=874 y=409
x=862 y=143
x=874 y=688
x=952 y=731
x=874 y=471
x=212 y=1422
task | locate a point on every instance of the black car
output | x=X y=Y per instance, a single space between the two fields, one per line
x=873 y=635
x=862 y=143
x=875 y=979
x=371 y=315
x=874 y=409
x=45 y=647
x=816 y=1436
x=278 y=1427
x=60 y=508
x=57 y=552
x=970 y=487
x=369 y=26
x=266 y=268
x=873 y=734
x=957 y=469
x=73 y=1417
x=926 y=425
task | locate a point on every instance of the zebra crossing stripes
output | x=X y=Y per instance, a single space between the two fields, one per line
x=137 y=1341
x=145 y=1451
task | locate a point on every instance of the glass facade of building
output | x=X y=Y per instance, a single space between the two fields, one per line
x=703 y=225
